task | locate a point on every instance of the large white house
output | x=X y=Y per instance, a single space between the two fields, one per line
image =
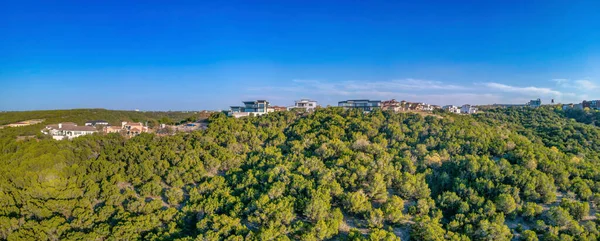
x=67 y=130
x=306 y=104
x=468 y=109
x=452 y=109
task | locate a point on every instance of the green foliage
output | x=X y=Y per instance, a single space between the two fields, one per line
x=329 y=174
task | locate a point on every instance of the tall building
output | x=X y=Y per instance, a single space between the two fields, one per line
x=255 y=107
x=306 y=104
x=365 y=105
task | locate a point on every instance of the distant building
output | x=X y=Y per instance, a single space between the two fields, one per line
x=133 y=128
x=365 y=105
x=592 y=104
x=112 y=129
x=426 y=107
x=306 y=104
x=468 y=109
x=67 y=130
x=535 y=103
x=392 y=105
x=452 y=109
x=257 y=107
x=96 y=122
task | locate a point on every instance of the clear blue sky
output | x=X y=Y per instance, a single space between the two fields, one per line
x=195 y=55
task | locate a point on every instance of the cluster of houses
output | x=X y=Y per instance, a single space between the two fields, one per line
x=591 y=104
x=70 y=130
x=262 y=107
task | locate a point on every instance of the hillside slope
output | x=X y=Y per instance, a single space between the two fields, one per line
x=332 y=174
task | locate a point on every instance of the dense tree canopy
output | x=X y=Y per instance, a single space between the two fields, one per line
x=530 y=174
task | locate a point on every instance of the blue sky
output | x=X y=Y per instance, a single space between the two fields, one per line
x=193 y=55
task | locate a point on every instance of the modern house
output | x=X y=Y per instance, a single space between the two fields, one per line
x=256 y=107
x=67 y=130
x=535 y=103
x=365 y=105
x=452 y=109
x=468 y=109
x=96 y=122
x=306 y=104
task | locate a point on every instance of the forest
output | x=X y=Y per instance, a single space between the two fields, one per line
x=333 y=174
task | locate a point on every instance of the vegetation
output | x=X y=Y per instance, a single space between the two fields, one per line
x=514 y=173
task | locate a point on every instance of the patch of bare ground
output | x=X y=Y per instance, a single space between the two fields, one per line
x=403 y=230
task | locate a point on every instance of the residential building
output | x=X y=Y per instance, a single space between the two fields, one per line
x=306 y=104
x=67 y=130
x=592 y=104
x=133 y=128
x=112 y=129
x=468 y=109
x=96 y=122
x=535 y=103
x=392 y=105
x=426 y=107
x=257 y=107
x=452 y=109
x=365 y=105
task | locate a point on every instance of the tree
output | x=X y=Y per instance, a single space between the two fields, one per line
x=506 y=203
x=529 y=235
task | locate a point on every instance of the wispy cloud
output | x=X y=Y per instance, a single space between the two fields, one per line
x=581 y=84
x=530 y=90
x=586 y=85
x=430 y=91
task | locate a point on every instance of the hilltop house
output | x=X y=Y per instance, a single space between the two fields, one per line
x=365 y=105
x=112 y=129
x=306 y=104
x=535 y=103
x=392 y=105
x=67 y=130
x=452 y=109
x=257 y=107
x=133 y=128
x=468 y=109
x=592 y=104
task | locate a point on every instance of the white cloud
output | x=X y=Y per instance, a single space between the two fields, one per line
x=586 y=85
x=434 y=92
x=531 y=90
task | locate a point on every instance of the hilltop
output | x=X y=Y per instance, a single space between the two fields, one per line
x=505 y=174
